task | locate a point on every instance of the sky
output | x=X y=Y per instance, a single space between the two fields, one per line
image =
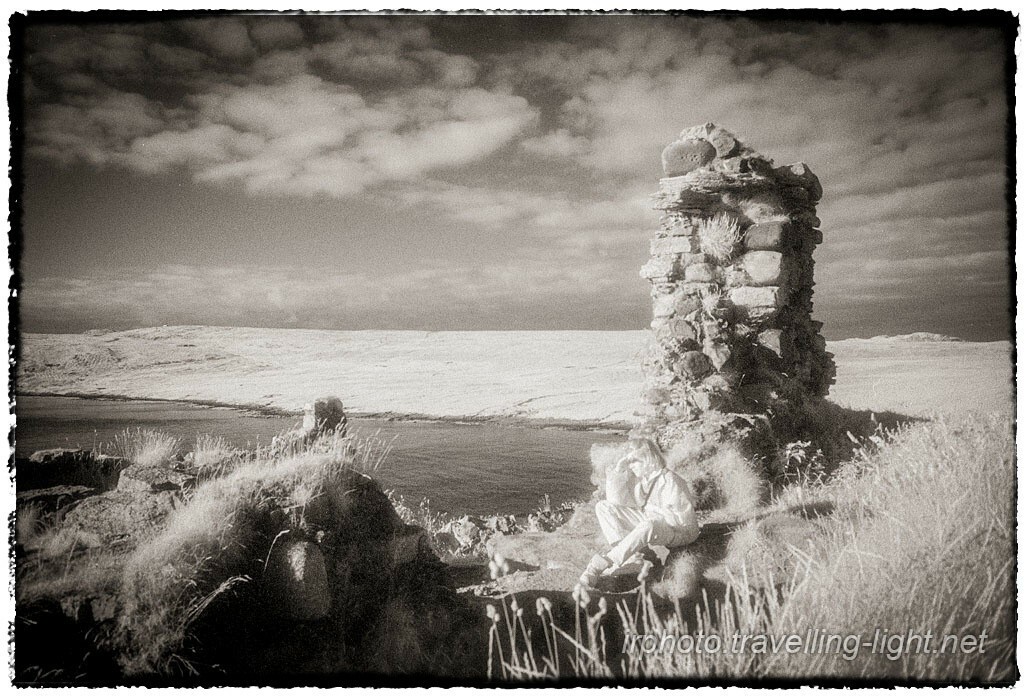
x=493 y=172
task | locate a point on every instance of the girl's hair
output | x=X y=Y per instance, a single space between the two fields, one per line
x=649 y=451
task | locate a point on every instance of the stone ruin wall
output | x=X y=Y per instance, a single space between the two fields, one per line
x=731 y=273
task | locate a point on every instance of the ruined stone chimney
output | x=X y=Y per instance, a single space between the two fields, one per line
x=731 y=275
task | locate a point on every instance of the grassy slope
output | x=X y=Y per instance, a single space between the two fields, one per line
x=915 y=536
x=583 y=376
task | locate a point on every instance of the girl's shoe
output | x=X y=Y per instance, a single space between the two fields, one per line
x=592 y=574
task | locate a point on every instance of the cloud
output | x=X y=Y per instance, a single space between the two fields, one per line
x=555 y=217
x=223 y=37
x=279 y=127
x=551 y=140
x=270 y=33
x=429 y=297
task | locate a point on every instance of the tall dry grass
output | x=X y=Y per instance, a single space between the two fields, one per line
x=917 y=539
x=146 y=447
x=209 y=546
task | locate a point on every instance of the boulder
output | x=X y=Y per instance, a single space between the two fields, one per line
x=50 y=500
x=324 y=415
x=119 y=517
x=685 y=156
x=466 y=533
x=408 y=542
x=58 y=467
x=296 y=580
x=151 y=478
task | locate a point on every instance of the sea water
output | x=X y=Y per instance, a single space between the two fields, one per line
x=479 y=468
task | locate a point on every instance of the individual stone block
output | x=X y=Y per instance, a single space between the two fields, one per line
x=686 y=260
x=685 y=156
x=700 y=290
x=719 y=381
x=663 y=266
x=683 y=330
x=664 y=306
x=766 y=268
x=687 y=304
x=674 y=245
x=772 y=339
x=809 y=240
x=723 y=142
x=807 y=218
x=718 y=353
x=735 y=276
x=765 y=296
x=297 y=578
x=807 y=179
x=696 y=364
x=772 y=236
x=700 y=273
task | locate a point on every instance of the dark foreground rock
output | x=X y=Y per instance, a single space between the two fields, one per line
x=49 y=468
x=305 y=571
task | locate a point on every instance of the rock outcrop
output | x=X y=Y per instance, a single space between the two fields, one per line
x=324 y=415
x=302 y=567
x=731 y=275
x=59 y=467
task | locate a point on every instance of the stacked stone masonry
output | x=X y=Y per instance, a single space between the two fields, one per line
x=731 y=275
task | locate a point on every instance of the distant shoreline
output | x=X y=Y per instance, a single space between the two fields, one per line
x=267 y=411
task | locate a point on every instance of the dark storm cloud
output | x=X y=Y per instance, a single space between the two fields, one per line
x=544 y=133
